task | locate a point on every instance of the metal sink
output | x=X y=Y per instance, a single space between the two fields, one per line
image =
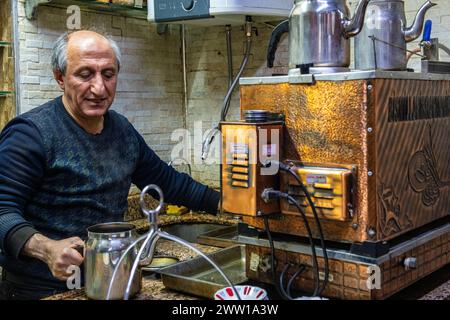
x=191 y=231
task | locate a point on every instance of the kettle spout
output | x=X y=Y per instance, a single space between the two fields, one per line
x=414 y=31
x=353 y=27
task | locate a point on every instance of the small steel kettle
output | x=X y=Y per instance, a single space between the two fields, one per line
x=105 y=245
x=319 y=32
x=382 y=42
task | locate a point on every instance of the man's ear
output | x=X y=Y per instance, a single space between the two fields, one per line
x=59 y=78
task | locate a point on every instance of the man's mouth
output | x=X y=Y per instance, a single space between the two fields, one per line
x=96 y=101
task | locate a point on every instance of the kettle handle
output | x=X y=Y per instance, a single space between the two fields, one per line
x=80 y=250
x=279 y=30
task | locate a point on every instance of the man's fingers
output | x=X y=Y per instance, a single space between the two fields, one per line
x=75 y=241
x=72 y=257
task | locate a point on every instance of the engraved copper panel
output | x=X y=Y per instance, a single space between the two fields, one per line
x=412 y=154
x=325 y=123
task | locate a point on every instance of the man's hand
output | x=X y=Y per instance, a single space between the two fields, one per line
x=59 y=255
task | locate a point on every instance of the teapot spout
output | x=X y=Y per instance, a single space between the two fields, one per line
x=353 y=27
x=414 y=31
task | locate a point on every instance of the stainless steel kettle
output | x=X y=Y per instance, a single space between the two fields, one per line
x=105 y=245
x=319 y=32
x=382 y=42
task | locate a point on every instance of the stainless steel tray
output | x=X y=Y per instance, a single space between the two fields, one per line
x=220 y=237
x=199 y=278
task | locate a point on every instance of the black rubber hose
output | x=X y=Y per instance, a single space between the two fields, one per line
x=275 y=38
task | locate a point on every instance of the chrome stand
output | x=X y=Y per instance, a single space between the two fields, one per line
x=147 y=248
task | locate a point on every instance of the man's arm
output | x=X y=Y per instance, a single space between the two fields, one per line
x=178 y=188
x=22 y=162
x=21 y=168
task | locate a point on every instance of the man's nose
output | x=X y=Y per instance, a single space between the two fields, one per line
x=98 y=85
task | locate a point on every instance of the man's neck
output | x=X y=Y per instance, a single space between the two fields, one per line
x=90 y=125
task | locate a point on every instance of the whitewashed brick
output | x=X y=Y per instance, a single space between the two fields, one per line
x=29 y=79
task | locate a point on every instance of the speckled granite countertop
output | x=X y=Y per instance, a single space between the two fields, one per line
x=153 y=288
x=164 y=220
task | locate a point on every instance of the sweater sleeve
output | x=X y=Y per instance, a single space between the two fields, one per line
x=22 y=161
x=178 y=188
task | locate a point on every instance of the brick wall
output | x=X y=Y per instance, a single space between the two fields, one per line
x=208 y=81
x=149 y=91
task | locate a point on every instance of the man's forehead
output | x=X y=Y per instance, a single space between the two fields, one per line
x=89 y=46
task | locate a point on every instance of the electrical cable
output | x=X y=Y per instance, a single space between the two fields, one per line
x=288 y=168
x=291 y=280
x=270 y=194
x=319 y=227
x=311 y=242
x=272 y=258
x=281 y=280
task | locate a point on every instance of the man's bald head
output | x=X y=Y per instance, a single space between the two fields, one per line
x=84 y=40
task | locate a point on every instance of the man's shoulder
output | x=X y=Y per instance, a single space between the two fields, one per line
x=120 y=121
x=32 y=119
x=42 y=112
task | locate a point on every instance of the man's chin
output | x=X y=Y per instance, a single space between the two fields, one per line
x=96 y=110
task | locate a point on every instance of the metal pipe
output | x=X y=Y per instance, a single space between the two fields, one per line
x=183 y=57
x=248 y=34
x=444 y=48
x=16 y=43
x=229 y=55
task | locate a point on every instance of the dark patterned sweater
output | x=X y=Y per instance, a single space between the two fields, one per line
x=57 y=179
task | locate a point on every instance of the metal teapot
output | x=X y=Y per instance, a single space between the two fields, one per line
x=382 y=42
x=105 y=245
x=319 y=32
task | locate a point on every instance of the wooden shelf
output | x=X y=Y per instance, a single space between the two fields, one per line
x=5 y=93
x=137 y=11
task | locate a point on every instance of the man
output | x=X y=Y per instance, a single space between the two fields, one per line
x=69 y=164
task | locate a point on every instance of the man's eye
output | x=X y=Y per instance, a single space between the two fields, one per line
x=85 y=75
x=108 y=75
